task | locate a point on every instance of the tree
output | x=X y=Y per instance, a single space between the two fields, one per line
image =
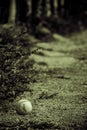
x=12 y=12
x=6 y=9
x=52 y=8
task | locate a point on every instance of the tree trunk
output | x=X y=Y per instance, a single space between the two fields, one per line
x=12 y=12
x=52 y=8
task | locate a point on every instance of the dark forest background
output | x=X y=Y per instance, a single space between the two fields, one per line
x=35 y=11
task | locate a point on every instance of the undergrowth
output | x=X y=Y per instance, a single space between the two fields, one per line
x=16 y=69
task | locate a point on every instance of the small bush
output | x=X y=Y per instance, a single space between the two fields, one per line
x=15 y=66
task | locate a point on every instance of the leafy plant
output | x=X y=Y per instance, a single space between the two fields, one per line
x=16 y=68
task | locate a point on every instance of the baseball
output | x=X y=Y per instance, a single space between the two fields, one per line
x=23 y=106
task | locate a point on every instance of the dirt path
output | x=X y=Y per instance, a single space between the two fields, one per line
x=59 y=95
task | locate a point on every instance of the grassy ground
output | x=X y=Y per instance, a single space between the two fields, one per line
x=59 y=95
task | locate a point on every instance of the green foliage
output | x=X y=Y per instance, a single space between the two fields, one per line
x=15 y=66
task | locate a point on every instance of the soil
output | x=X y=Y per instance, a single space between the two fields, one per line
x=59 y=95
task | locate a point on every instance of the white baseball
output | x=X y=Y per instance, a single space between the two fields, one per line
x=24 y=106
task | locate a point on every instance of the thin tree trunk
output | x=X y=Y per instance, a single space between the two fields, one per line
x=12 y=12
x=52 y=8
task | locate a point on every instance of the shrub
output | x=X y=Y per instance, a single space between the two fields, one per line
x=16 y=68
